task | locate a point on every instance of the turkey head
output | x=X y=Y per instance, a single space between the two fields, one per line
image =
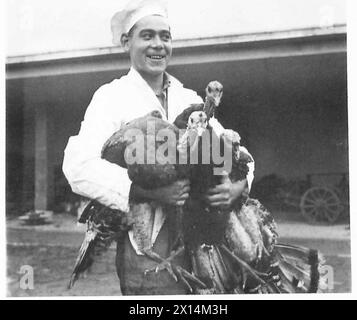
x=214 y=92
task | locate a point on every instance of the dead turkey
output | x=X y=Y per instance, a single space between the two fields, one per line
x=147 y=173
x=236 y=250
x=233 y=250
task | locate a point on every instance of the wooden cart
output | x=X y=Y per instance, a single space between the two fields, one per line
x=321 y=197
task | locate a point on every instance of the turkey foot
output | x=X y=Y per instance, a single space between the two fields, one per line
x=163 y=264
x=178 y=244
x=184 y=274
x=166 y=264
x=255 y=274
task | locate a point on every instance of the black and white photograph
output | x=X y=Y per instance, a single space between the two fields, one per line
x=177 y=148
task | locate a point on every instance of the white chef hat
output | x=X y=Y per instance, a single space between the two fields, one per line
x=134 y=10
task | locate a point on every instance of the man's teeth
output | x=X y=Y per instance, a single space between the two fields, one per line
x=156 y=57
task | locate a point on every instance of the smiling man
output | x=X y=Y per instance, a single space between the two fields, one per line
x=143 y=30
x=150 y=47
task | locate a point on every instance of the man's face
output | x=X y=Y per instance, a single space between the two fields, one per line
x=150 y=45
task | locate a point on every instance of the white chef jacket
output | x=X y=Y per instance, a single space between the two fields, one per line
x=113 y=105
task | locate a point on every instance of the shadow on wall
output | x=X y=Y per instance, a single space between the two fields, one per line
x=315 y=198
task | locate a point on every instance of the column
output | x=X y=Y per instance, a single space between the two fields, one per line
x=44 y=184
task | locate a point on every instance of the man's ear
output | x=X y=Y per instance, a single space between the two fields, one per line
x=124 y=41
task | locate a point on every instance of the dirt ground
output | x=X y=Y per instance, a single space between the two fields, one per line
x=52 y=269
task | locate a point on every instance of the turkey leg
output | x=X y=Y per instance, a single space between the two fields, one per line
x=165 y=264
x=178 y=248
x=255 y=274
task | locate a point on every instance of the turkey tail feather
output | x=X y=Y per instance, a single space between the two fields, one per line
x=85 y=257
x=315 y=274
x=300 y=266
x=86 y=212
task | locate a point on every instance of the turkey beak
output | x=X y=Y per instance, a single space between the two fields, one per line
x=200 y=131
x=217 y=99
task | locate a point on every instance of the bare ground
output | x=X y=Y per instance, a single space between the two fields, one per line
x=52 y=269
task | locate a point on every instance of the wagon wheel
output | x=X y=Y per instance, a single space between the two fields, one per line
x=320 y=204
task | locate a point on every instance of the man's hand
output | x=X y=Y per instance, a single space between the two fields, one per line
x=173 y=194
x=224 y=195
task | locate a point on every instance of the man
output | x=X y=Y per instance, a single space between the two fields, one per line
x=142 y=29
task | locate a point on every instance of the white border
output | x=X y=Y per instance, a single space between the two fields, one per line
x=352 y=116
x=3 y=260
